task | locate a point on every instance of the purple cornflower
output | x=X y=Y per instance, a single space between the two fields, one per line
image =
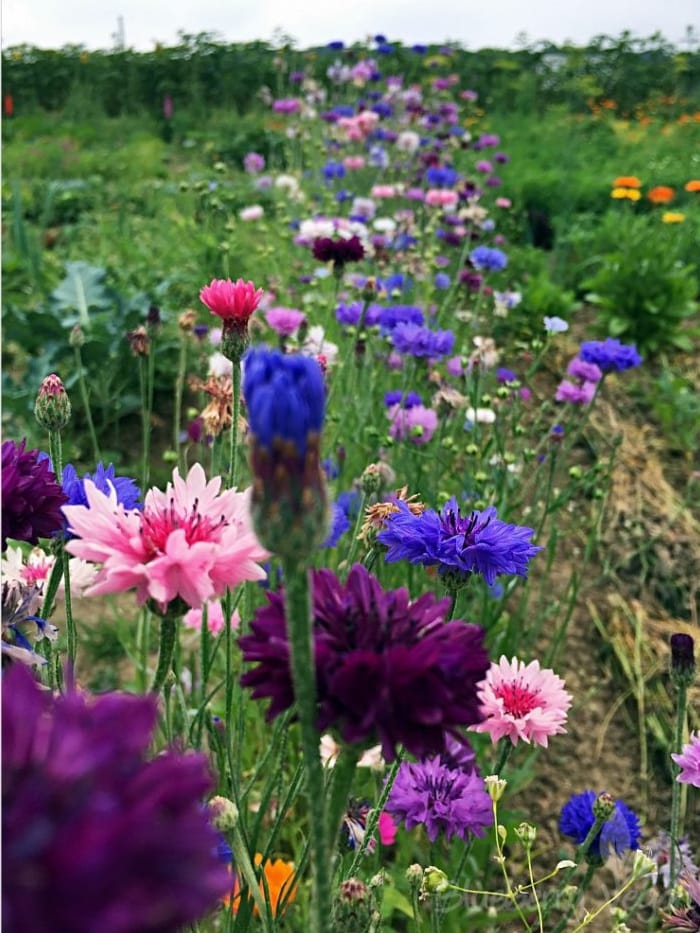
x=31 y=497
x=391 y=317
x=285 y=321
x=286 y=105
x=488 y=259
x=253 y=163
x=576 y=394
x=588 y=372
x=415 y=340
x=387 y=669
x=688 y=760
x=96 y=836
x=443 y=799
x=416 y=423
x=458 y=545
x=442 y=281
x=620 y=832
x=339 y=251
x=610 y=355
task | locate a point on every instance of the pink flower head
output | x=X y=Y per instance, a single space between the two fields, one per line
x=285 y=321
x=441 y=197
x=689 y=761
x=522 y=701
x=387 y=829
x=383 y=191
x=354 y=162
x=231 y=301
x=417 y=423
x=216 y=622
x=505 y=203
x=191 y=541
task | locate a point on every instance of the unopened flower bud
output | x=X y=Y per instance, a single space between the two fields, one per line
x=52 y=407
x=223 y=813
x=495 y=786
x=435 y=880
x=138 y=341
x=187 y=320
x=603 y=806
x=526 y=833
x=414 y=875
x=77 y=336
x=643 y=865
x=682 y=659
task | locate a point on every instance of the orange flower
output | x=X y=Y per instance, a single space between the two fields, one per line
x=279 y=876
x=627 y=181
x=672 y=217
x=692 y=185
x=661 y=194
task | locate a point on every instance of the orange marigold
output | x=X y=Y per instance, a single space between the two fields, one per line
x=692 y=185
x=661 y=194
x=627 y=181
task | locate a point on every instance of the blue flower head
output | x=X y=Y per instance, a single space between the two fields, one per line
x=488 y=259
x=104 y=478
x=619 y=833
x=285 y=396
x=340 y=523
x=610 y=355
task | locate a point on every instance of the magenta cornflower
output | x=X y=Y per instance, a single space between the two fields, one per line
x=689 y=761
x=522 y=701
x=190 y=541
x=231 y=301
x=388 y=670
x=285 y=321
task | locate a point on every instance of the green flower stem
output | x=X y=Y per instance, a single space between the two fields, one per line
x=62 y=558
x=356 y=530
x=235 y=412
x=681 y=705
x=86 y=404
x=374 y=814
x=342 y=776
x=241 y=859
x=501 y=860
x=145 y=423
x=179 y=388
x=168 y=633
x=581 y=890
x=297 y=598
x=590 y=871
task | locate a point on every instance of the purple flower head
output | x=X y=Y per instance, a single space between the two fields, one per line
x=555 y=325
x=458 y=545
x=286 y=105
x=504 y=375
x=576 y=394
x=31 y=497
x=688 y=760
x=404 y=399
x=442 y=281
x=253 y=163
x=419 y=341
x=389 y=318
x=338 y=251
x=285 y=321
x=610 y=355
x=618 y=834
x=488 y=259
x=445 y=800
x=416 y=423
x=95 y=835
x=587 y=372
x=387 y=669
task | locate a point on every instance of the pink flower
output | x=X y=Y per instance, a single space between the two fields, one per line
x=354 y=162
x=418 y=423
x=285 y=321
x=190 y=541
x=522 y=701
x=441 y=197
x=387 y=829
x=234 y=301
x=503 y=202
x=383 y=191
x=689 y=761
x=576 y=394
x=252 y=212
x=215 y=618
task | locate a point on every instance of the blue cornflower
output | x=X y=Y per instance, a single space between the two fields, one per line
x=104 y=478
x=378 y=157
x=336 y=45
x=442 y=280
x=349 y=502
x=404 y=241
x=488 y=258
x=340 y=523
x=391 y=317
x=619 y=833
x=457 y=544
x=285 y=396
x=333 y=169
x=610 y=355
x=396 y=282
x=405 y=399
x=441 y=176
x=421 y=341
x=504 y=375
x=350 y=315
x=555 y=325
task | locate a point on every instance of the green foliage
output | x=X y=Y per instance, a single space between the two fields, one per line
x=642 y=292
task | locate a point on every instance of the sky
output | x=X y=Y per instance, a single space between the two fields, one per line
x=487 y=23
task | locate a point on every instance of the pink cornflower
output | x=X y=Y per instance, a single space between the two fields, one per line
x=383 y=191
x=354 y=162
x=191 y=541
x=231 y=301
x=285 y=321
x=689 y=761
x=216 y=621
x=418 y=424
x=441 y=197
x=522 y=701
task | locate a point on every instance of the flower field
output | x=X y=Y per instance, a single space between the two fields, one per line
x=350 y=540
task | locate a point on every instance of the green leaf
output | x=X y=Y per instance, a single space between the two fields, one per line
x=83 y=288
x=393 y=899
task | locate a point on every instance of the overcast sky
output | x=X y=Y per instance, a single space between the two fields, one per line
x=93 y=23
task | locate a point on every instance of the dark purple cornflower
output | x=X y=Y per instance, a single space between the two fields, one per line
x=95 y=835
x=610 y=355
x=387 y=669
x=445 y=800
x=31 y=496
x=339 y=251
x=620 y=832
x=459 y=545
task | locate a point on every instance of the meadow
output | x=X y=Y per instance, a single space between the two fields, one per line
x=350 y=488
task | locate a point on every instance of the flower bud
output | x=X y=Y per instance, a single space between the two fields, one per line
x=682 y=659
x=495 y=786
x=223 y=813
x=187 y=320
x=52 y=407
x=414 y=875
x=603 y=806
x=435 y=880
x=77 y=337
x=526 y=833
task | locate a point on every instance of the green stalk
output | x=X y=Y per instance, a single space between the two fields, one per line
x=168 y=632
x=145 y=423
x=62 y=558
x=297 y=599
x=681 y=705
x=179 y=388
x=86 y=404
x=343 y=774
x=235 y=412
